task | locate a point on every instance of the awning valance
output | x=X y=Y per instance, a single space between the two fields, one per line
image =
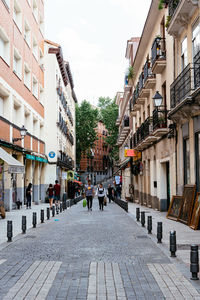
x=14 y=166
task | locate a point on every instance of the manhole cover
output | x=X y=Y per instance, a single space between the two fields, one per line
x=142 y=237
x=30 y=237
x=183 y=246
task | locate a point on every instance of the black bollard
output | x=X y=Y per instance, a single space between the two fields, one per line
x=9 y=231
x=143 y=218
x=34 y=219
x=138 y=214
x=63 y=205
x=42 y=215
x=172 y=243
x=53 y=210
x=57 y=209
x=48 y=213
x=194 y=262
x=159 y=232
x=149 y=224
x=60 y=206
x=23 y=224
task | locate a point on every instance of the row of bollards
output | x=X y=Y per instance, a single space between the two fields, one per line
x=194 y=252
x=56 y=210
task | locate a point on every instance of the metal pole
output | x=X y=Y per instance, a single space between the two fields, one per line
x=159 y=232
x=149 y=224
x=61 y=206
x=138 y=214
x=48 y=213
x=42 y=215
x=34 y=219
x=57 y=209
x=9 y=231
x=172 y=243
x=23 y=224
x=194 y=262
x=53 y=210
x=143 y=218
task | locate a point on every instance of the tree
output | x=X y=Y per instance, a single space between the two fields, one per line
x=86 y=122
x=109 y=115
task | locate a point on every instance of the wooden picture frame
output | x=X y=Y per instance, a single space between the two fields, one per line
x=188 y=202
x=196 y=213
x=175 y=207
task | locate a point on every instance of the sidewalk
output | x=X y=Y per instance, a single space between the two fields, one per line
x=185 y=236
x=16 y=217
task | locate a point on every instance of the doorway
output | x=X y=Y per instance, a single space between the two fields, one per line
x=168 y=184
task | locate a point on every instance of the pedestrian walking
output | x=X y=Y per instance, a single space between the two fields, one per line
x=110 y=193
x=89 y=193
x=28 y=196
x=101 y=195
x=56 y=192
x=50 y=192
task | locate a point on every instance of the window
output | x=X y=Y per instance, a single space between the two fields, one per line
x=35 y=126
x=41 y=131
x=17 y=113
x=184 y=53
x=1 y=106
x=27 y=76
x=41 y=24
x=41 y=94
x=27 y=119
x=35 y=10
x=41 y=60
x=4 y=46
x=35 y=87
x=17 y=15
x=17 y=64
x=35 y=48
x=27 y=33
x=186 y=160
x=196 y=38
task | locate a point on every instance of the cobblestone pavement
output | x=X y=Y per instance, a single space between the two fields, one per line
x=89 y=255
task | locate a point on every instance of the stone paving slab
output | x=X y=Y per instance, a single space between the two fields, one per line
x=89 y=255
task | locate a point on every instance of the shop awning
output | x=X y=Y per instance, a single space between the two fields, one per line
x=14 y=166
x=122 y=165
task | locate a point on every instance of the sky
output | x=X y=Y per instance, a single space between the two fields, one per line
x=93 y=36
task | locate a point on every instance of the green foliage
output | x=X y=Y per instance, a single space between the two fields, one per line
x=109 y=115
x=86 y=122
x=130 y=73
x=168 y=19
x=160 y=5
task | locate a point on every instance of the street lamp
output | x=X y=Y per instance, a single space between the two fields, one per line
x=157 y=99
x=23 y=132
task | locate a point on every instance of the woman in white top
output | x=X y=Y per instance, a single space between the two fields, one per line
x=101 y=195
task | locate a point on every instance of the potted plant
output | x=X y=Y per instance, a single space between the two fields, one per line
x=130 y=73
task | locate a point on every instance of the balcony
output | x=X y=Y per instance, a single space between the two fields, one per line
x=125 y=128
x=149 y=77
x=181 y=88
x=185 y=89
x=160 y=121
x=144 y=135
x=158 y=55
x=179 y=13
x=127 y=87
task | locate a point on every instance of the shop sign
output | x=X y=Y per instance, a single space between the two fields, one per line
x=29 y=156
x=16 y=170
x=52 y=154
x=131 y=153
x=138 y=156
x=41 y=159
x=117 y=179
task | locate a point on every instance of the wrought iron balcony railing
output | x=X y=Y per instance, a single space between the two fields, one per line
x=197 y=70
x=141 y=81
x=159 y=117
x=172 y=5
x=148 y=71
x=182 y=86
x=158 y=50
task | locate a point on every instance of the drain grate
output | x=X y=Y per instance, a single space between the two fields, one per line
x=142 y=237
x=30 y=237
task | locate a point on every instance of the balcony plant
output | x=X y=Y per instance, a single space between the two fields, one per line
x=130 y=73
x=163 y=3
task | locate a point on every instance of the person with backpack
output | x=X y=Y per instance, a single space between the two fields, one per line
x=28 y=195
x=101 y=195
x=89 y=193
x=50 y=191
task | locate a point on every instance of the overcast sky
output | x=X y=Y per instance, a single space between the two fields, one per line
x=93 y=36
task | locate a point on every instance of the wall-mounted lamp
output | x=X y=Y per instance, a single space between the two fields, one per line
x=157 y=99
x=23 y=132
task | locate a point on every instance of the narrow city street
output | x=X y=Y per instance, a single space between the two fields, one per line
x=89 y=255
